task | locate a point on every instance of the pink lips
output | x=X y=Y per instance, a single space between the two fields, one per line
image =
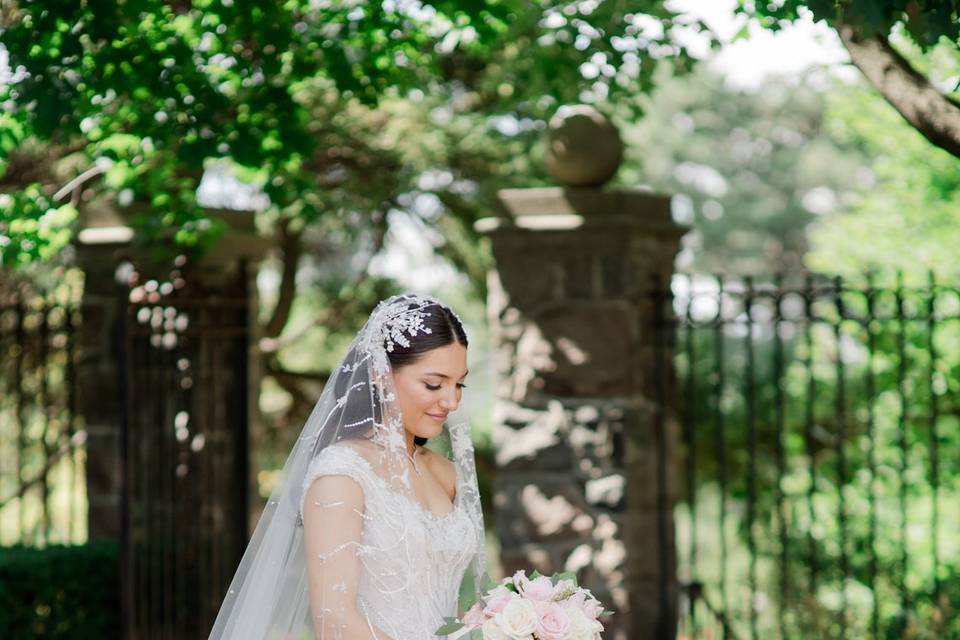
x=440 y=418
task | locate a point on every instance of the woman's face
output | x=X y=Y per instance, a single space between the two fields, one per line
x=430 y=388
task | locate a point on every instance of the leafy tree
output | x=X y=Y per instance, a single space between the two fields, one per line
x=906 y=218
x=869 y=30
x=141 y=94
x=751 y=170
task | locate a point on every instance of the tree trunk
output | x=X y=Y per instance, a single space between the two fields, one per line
x=935 y=115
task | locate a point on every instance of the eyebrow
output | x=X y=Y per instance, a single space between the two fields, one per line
x=445 y=376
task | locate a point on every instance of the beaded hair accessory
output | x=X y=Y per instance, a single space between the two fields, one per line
x=396 y=324
x=410 y=321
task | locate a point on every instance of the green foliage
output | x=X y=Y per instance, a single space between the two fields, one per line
x=31 y=227
x=60 y=592
x=450 y=626
x=158 y=89
x=797 y=177
x=744 y=167
x=907 y=216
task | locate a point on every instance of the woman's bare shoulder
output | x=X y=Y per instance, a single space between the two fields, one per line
x=366 y=448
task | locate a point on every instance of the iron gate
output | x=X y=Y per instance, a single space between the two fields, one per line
x=183 y=377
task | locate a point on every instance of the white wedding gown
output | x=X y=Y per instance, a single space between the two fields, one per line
x=411 y=562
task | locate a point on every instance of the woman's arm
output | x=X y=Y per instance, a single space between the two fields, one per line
x=333 y=509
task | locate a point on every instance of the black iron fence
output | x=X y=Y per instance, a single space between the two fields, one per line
x=821 y=457
x=182 y=391
x=42 y=487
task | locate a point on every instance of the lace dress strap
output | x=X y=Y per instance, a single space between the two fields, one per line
x=340 y=460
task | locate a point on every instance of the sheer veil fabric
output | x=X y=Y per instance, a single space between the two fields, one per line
x=382 y=563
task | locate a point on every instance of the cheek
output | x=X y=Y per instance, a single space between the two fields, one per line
x=415 y=399
x=423 y=399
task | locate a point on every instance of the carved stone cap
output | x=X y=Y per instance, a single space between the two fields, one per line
x=559 y=208
x=104 y=226
x=583 y=148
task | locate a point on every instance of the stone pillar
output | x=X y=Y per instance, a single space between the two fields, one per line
x=585 y=444
x=104 y=242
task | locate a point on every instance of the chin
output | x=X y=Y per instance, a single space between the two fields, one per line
x=430 y=431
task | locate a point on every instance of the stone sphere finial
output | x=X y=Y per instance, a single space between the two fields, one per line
x=584 y=149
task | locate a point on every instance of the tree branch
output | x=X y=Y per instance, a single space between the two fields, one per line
x=290 y=382
x=935 y=115
x=292 y=249
x=73 y=187
x=310 y=376
x=67 y=446
x=35 y=163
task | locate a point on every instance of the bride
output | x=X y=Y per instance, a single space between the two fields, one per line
x=371 y=535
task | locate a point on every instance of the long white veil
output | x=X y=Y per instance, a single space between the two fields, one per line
x=269 y=594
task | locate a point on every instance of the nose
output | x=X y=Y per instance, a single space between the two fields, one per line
x=450 y=402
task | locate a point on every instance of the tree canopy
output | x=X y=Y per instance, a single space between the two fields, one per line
x=751 y=171
x=885 y=39
x=907 y=217
x=130 y=99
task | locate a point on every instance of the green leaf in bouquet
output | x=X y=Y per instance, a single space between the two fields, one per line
x=566 y=575
x=534 y=574
x=476 y=634
x=451 y=625
x=467 y=596
x=486 y=582
x=606 y=614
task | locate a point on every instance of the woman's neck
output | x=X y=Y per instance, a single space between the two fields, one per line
x=410 y=442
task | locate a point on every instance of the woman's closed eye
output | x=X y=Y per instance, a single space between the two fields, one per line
x=436 y=387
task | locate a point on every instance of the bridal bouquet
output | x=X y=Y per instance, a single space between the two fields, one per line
x=537 y=607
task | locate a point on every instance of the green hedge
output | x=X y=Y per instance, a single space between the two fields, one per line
x=60 y=592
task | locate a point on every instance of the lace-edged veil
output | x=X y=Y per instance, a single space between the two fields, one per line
x=269 y=595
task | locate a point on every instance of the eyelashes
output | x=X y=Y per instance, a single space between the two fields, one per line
x=436 y=387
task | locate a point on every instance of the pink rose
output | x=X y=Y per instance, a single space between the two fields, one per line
x=586 y=603
x=592 y=608
x=539 y=589
x=554 y=622
x=474 y=618
x=576 y=600
x=497 y=600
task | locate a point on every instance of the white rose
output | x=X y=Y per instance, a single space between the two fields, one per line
x=581 y=627
x=518 y=619
x=491 y=631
